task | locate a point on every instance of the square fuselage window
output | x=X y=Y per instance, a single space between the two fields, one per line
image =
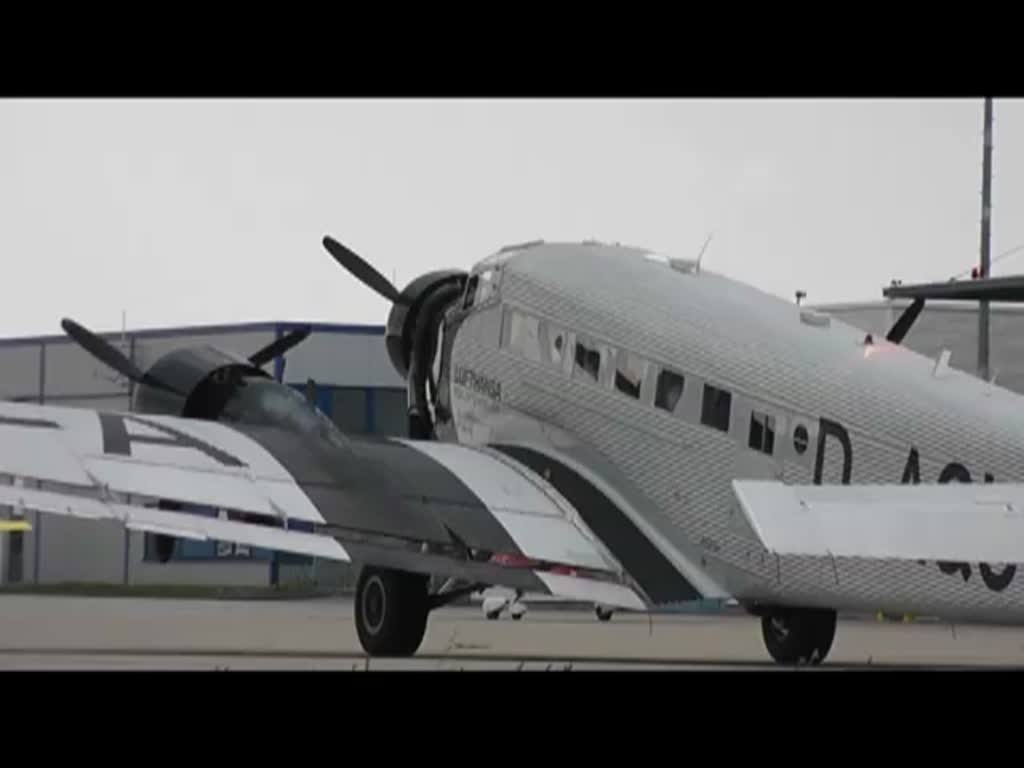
x=715 y=409
x=670 y=389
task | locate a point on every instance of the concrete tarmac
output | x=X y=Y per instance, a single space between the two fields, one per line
x=49 y=632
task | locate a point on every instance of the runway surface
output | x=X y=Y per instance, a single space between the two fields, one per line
x=46 y=632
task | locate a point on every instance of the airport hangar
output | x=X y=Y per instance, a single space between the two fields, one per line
x=356 y=386
x=359 y=390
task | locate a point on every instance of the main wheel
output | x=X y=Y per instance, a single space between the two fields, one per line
x=799 y=636
x=391 y=611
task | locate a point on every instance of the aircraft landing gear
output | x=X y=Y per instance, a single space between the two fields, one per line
x=392 y=607
x=603 y=614
x=798 y=636
x=391 y=611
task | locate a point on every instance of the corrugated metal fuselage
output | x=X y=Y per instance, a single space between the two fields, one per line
x=838 y=410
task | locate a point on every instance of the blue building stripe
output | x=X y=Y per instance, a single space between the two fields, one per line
x=325 y=399
x=203 y=330
x=371 y=415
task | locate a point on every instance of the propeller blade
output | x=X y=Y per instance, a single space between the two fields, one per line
x=902 y=326
x=279 y=346
x=361 y=270
x=110 y=355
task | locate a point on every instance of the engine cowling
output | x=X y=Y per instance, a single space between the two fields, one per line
x=415 y=306
x=413 y=329
x=202 y=378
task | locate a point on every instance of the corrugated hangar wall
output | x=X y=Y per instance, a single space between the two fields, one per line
x=356 y=386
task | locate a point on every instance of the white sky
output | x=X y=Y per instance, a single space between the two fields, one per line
x=212 y=211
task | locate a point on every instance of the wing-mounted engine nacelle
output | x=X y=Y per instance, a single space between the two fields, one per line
x=193 y=382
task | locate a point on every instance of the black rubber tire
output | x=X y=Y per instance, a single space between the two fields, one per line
x=603 y=614
x=391 y=611
x=799 y=636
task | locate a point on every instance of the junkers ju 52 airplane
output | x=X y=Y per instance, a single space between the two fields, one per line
x=590 y=421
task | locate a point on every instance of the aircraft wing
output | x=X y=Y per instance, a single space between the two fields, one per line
x=416 y=505
x=964 y=522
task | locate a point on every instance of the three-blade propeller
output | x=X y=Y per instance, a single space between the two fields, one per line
x=362 y=271
x=280 y=346
x=113 y=357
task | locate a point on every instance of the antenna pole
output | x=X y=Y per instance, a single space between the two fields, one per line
x=986 y=234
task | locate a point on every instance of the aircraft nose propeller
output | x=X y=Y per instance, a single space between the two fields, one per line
x=413 y=325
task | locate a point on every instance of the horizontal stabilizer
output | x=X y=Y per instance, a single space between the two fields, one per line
x=965 y=522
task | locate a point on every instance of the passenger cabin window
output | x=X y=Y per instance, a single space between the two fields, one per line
x=629 y=374
x=588 y=360
x=762 y=432
x=670 y=389
x=715 y=408
x=524 y=336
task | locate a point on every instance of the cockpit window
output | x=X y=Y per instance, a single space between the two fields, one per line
x=481 y=287
x=470 y=292
x=487 y=285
